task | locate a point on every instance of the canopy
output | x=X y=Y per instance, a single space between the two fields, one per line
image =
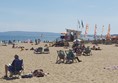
x=77 y=40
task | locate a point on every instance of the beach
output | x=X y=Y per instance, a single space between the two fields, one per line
x=97 y=68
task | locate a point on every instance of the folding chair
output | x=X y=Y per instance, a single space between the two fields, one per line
x=19 y=68
x=61 y=56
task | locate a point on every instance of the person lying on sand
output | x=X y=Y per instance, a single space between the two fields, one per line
x=95 y=48
x=39 y=73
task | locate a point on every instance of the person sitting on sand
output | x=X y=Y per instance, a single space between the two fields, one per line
x=11 y=67
x=13 y=45
x=32 y=48
x=46 y=45
x=93 y=48
x=22 y=48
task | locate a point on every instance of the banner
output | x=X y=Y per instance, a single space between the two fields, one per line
x=86 y=31
x=82 y=24
x=95 y=33
x=108 y=36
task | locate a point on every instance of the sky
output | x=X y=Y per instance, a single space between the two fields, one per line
x=57 y=15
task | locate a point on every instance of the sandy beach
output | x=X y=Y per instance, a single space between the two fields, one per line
x=93 y=69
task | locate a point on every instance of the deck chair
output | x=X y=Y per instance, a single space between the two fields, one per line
x=38 y=50
x=18 y=69
x=87 y=51
x=71 y=57
x=46 y=51
x=60 y=57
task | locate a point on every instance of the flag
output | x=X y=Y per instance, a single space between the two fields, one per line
x=109 y=29
x=82 y=24
x=86 y=31
x=79 y=23
x=102 y=31
x=95 y=31
x=108 y=36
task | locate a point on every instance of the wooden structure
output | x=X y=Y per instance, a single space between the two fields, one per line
x=72 y=34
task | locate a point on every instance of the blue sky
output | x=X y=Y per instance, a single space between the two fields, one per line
x=56 y=15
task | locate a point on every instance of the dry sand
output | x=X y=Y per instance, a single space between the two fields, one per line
x=90 y=70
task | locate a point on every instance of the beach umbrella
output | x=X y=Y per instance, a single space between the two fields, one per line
x=77 y=40
x=64 y=33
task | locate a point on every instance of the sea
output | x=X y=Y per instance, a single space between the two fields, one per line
x=26 y=36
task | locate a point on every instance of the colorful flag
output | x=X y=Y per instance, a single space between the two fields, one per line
x=86 y=31
x=82 y=24
x=95 y=33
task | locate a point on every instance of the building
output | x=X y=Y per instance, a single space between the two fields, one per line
x=72 y=34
